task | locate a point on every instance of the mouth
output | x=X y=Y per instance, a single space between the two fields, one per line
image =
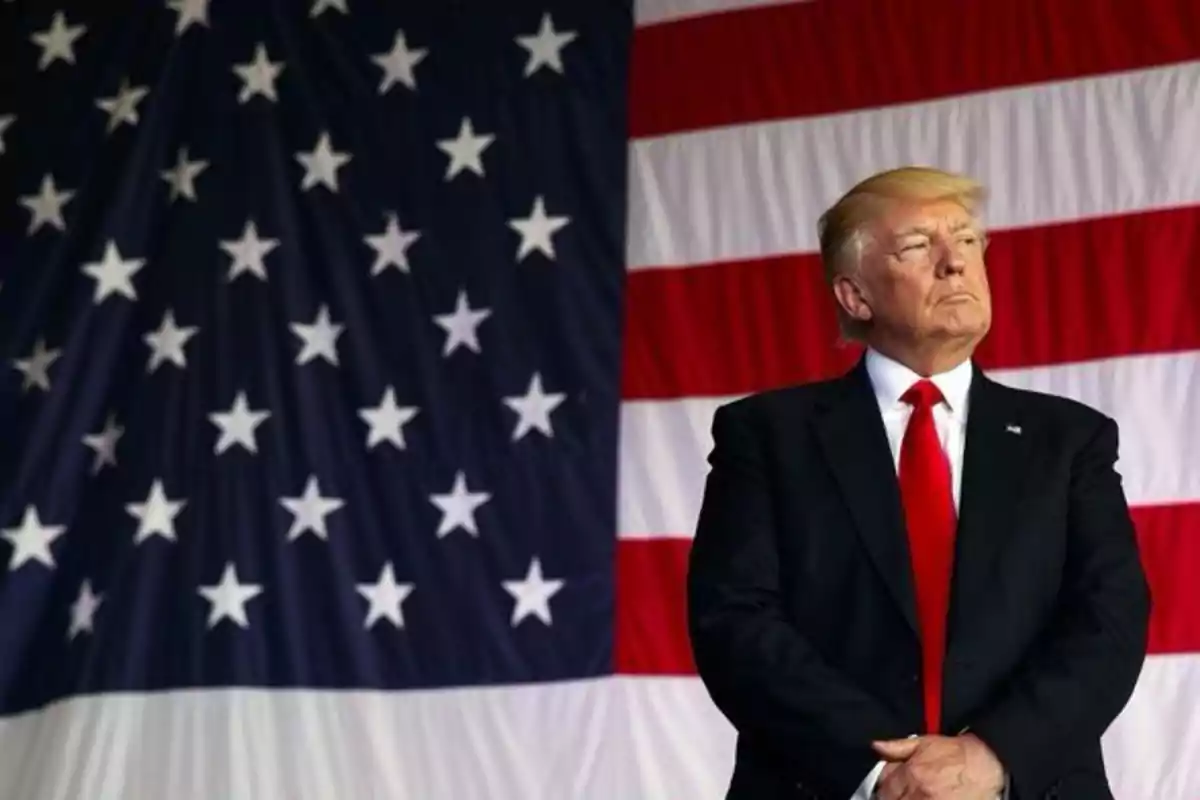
x=958 y=297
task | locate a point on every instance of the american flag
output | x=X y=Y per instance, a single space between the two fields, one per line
x=360 y=359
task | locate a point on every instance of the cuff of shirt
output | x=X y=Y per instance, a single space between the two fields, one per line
x=866 y=789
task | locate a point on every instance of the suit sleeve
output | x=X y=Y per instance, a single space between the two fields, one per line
x=1082 y=671
x=760 y=671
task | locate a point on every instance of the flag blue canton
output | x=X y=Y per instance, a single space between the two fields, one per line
x=311 y=333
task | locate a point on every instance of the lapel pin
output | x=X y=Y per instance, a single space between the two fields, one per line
x=1013 y=429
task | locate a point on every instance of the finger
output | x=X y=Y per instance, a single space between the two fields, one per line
x=911 y=791
x=893 y=785
x=882 y=780
x=896 y=749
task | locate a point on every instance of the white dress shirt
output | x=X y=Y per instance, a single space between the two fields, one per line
x=890 y=380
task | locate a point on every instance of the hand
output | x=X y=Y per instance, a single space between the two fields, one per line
x=939 y=768
x=888 y=769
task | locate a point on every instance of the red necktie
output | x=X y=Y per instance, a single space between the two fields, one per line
x=927 y=495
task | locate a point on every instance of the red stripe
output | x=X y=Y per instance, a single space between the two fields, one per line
x=1063 y=293
x=652 y=609
x=1169 y=539
x=813 y=58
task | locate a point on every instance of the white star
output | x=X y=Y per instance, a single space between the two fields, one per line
x=545 y=47
x=321 y=165
x=458 y=507
x=248 y=252
x=537 y=229
x=398 y=64
x=183 y=175
x=46 y=206
x=31 y=540
x=319 y=338
x=167 y=343
x=258 y=76
x=229 y=598
x=387 y=420
x=113 y=274
x=104 y=444
x=385 y=597
x=83 y=611
x=391 y=246
x=156 y=515
x=238 y=425
x=58 y=41
x=462 y=326
x=36 y=368
x=466 y=150
x=534 y=408
x=320 y=6
x=533 y=594
x=309 y=511
x=191 y=12
x=6 y=121
x=123 y=107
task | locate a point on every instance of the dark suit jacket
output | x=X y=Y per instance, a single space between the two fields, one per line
x=801 y=604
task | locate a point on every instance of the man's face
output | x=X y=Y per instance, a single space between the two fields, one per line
x=922 y=276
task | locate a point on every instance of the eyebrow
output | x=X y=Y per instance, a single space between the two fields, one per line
x=928 y=230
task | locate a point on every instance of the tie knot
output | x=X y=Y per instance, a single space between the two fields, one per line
x=922 y=394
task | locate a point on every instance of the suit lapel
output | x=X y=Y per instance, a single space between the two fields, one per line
x=995 y=464
x=855 y=446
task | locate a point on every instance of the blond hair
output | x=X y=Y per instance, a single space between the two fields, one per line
x=841 y=230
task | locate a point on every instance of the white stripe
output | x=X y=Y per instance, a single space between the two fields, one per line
x=668 y=740
x=1150 y=750
x=681 y=747
x=649 y=12
x=633 y=738
x=1060 y=151
x=546 y=741
x=664 y=444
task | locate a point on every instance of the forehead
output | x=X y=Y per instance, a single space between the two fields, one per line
x=902 y=217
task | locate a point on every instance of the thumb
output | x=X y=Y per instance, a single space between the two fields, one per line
x=896 y=749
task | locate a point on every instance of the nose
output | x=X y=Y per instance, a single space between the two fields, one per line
x=949 y=260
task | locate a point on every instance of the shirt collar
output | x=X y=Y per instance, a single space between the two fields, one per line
x=891 y=380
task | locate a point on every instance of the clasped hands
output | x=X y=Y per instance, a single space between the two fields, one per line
x=938 y=768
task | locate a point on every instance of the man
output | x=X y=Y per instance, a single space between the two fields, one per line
x=910 y=581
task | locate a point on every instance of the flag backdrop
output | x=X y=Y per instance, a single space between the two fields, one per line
x=360 y=359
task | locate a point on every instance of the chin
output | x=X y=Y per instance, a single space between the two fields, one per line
x=963 y=328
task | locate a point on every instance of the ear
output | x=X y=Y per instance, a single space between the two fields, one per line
x=852 y=298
